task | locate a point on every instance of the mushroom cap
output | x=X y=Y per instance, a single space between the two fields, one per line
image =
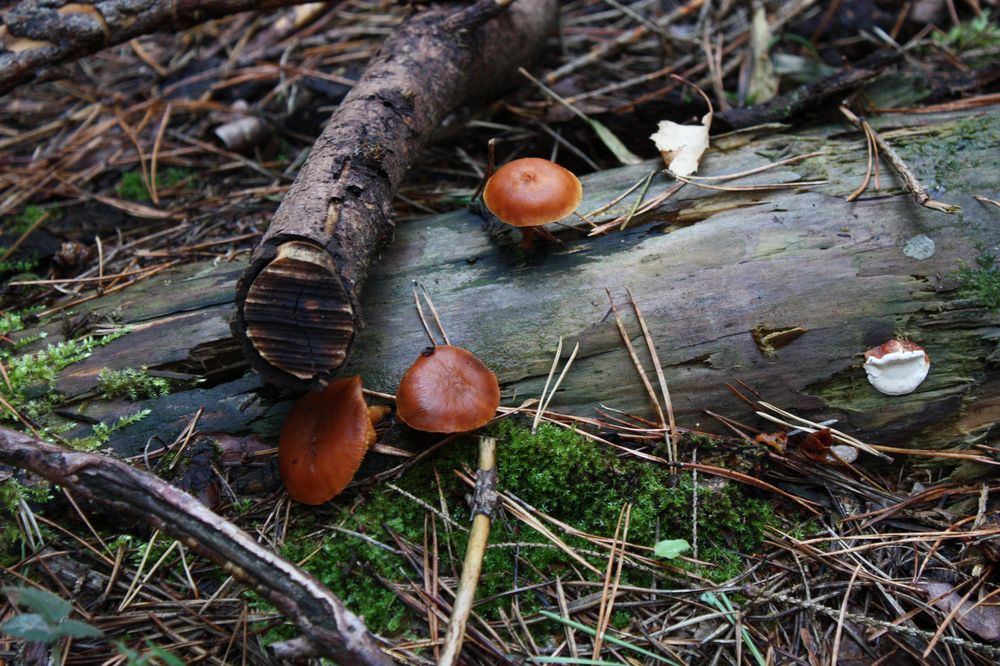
x=447 y=389
x=897 y=367
x=323 y=441
x=530 y=192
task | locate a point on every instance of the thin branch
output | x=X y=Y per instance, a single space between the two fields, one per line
x=333 y=630
x=917 y=191
x=484 y=505
x=26 y=30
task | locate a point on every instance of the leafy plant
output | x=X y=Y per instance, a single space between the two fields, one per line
x=48 y=622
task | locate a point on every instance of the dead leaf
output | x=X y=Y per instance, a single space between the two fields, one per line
x=763 y=82
x=816 y=445
x=683 y=145
x=777 y=441
x=983 y=621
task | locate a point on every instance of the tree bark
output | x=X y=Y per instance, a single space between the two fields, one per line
x=711 y=270
x=38 y=35
x=333 y=630
x=297 y=303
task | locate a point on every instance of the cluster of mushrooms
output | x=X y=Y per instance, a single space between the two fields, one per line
x=447 y=389
x=327 y=433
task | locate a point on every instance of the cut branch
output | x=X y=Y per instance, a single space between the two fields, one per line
x=297 y=303
x=333 y=630
x=37 y=35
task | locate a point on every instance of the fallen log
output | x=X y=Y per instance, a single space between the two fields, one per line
x=38 y=35
x=329 y=627
x=297 y=303
x=714 y=272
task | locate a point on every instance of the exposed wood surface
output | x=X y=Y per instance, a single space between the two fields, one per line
x=297 y=303
x=708 y=268
x=324 y=621
x=38 y=35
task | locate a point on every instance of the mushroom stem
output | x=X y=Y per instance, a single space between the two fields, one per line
x=483 y=506
x=377 y=412
x=527 y=238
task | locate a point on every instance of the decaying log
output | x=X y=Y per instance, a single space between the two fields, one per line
x=711 y=270
x=38 y=35
x=297 y=303
x=332 y=630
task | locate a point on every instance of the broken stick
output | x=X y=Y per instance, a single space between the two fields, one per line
x=297 y=303
x=326 y=624
x=38 y=35
x=484 y=503
x=917 y=191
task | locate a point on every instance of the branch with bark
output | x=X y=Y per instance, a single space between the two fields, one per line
x=297 y=303
x=38 y=35
x=329 y=627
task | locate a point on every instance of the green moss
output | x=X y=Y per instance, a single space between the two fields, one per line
x=978 y=33
x=20 y=267
x=945 y=152
x=101 y=432
x=31 y=378
x=132 y=185
x=16 y=225
x=12 y=322
x=556 y=471
x=131 y=383
x=177 y=177
x=982 y=281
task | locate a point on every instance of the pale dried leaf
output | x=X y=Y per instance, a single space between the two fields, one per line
x=763 y=83
x=682 y=145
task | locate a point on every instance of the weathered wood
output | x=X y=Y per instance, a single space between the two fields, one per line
x=332 y=629
x=708 y=268
x=297 y=303
x=38 y=35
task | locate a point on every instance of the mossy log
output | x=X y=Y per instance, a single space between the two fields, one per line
x=710 y=269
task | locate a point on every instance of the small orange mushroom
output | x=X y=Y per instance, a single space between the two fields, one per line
x=447 y=389
x=323 y=441
x=530 y=192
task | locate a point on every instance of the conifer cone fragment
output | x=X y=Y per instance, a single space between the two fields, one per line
x=297 y=303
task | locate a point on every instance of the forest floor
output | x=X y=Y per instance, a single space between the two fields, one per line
x=118 y=178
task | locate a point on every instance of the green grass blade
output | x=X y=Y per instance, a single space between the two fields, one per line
x=611 y=639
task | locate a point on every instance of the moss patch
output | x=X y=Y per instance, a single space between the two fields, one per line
x=556 y=471
x=982 y=282
x=132 y=185
x=131 y=383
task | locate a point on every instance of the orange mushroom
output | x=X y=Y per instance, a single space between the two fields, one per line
x=447 y=389
x=323 y=441
x=530 y=192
